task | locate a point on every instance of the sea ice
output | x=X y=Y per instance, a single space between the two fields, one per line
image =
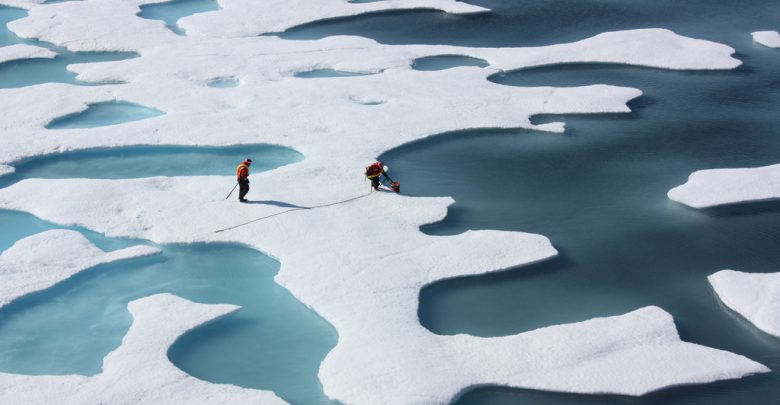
x=357 y=258
x=24 y=51
x=42 y=260
x=767 y=38
x=708 y=188
x=139 y=372
x=756 y=296
x=5 y=169
x=364 y=274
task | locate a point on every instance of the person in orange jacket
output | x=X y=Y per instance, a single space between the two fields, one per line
x=373 y=173
x=242 y=176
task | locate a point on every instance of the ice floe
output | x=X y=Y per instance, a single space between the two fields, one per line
x=92 y=25
x=5 y=169
x=311 y=117
x=767 y=38
x=756 y=296
x=139 y=372
x=708 y=188
x=363 y=274
x=24 y=51
x=42 y=260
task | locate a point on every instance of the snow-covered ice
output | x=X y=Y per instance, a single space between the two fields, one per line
x=325 y=117
x=24 y=51
x=5 y=170
x=364 y=276
x=361 y=273
x=708 y=188
x=139 y=372
x=42 y=260
x=756 y=296
x=767 y=38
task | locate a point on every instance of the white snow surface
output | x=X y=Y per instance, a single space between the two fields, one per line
x=756 y=296
x=327 y=115
x=361 y=265
x=139 y=372
x=767 y=38
x=362 y=262
x=42 y=260
x=709 y=188
x=24 y=51
x=5 y=170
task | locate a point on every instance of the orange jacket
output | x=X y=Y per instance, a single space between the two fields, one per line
x=242 y=171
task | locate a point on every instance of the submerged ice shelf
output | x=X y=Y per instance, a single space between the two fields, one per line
x=754 y=296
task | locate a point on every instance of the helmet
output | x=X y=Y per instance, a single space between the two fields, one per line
x=249 y=161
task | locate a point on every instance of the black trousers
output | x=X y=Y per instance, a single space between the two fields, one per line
x=243 y=188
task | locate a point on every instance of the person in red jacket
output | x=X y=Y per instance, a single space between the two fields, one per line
x=373 y=173
x=242 y=176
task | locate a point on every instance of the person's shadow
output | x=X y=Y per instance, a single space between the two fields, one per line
x=277 y=203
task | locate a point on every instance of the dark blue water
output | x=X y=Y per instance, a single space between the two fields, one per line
x=171 y=12
x=28 y=72
x=104 y=114
x=599 y=192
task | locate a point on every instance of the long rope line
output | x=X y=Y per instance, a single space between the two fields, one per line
x=293 y=209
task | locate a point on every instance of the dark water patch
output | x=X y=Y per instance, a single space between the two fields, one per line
x=320 y=73
x=224 y=82
x=599 y=193
x=104 y=114
x=685 y=395
x=443 y=62
x=747 y=208
x=150 y=161
x=583 y=74
x=172 y=11
x=365 y=25
x=538 y=22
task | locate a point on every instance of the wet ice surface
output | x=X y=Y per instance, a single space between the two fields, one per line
x=380 y=101
x=171 y=12
x=104 y=114
x=145 y=161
